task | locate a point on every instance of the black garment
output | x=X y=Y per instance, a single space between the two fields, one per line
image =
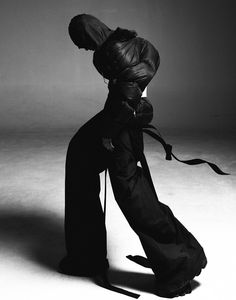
x=129 y=63
x=173 y=253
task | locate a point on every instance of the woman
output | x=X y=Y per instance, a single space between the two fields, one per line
x=113 y=139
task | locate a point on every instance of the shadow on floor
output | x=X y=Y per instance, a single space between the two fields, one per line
x=39 y=236
x=36 y=235
x=141 y=282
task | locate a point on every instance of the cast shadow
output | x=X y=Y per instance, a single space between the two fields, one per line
x=39 y=237
x=36 y=235
x=142 y=282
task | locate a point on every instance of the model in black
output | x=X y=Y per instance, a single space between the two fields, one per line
x=113 y=140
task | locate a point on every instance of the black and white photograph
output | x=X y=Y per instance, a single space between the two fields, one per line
x=117 y=149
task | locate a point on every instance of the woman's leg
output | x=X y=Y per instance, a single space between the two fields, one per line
x=85 y=232
x=173 y=253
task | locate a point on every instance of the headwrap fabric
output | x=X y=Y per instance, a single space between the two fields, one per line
x=86 y=30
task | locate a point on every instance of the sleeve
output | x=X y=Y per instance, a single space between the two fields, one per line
x=143 y=72
x=129 y=85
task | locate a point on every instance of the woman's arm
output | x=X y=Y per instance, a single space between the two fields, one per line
x=129 y=84
x=143 y=72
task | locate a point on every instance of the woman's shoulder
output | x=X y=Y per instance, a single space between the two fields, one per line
x=121 y=34
x=124 y=41
x=122 y=49
x=113 y=56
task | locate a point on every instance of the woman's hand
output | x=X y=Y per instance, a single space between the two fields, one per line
x=107 y=143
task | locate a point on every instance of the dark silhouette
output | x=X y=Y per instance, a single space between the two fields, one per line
x=113 y=140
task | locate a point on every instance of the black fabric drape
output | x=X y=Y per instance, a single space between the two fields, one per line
x=172 y=251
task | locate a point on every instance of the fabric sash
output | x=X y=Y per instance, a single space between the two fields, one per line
x=169 y=153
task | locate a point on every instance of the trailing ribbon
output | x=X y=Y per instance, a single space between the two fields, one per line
x=141 y=260
x=104 y=282
x=169 y=153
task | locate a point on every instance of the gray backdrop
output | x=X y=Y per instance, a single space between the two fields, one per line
x=46 y=83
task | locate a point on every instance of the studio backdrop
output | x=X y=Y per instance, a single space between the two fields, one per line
x=46 y=83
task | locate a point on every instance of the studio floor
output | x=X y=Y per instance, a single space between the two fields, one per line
x=32 y=210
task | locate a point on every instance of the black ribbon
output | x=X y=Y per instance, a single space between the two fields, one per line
x=140 y=260
x=169 y=153
x=103 y=281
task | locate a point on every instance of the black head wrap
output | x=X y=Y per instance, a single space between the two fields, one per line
x=86 y=31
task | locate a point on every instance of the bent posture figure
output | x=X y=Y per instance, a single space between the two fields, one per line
x=113 y=140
